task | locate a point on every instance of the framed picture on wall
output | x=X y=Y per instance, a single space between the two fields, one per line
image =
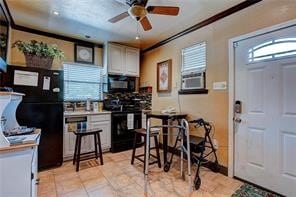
x=164 y=76
x=84 y=54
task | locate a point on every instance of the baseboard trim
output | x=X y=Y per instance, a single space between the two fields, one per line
x=208 y=164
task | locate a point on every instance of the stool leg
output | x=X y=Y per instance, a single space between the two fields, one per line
x=149 y=150
x=96 y=146
x=75 y=150
x=145 y=141
x=78 y=152
x=157 y=151
x=100 y=149
x=134 y=149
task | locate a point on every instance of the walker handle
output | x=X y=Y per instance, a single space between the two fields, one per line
x=200 y=122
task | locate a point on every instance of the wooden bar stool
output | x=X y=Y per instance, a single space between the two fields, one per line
x=88 y=155
x=153 y=134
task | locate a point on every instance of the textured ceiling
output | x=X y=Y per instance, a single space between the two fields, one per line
x=78 y=18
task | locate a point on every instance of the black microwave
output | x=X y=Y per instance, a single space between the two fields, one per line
x=119 y=83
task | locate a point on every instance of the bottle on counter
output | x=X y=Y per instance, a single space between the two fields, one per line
x=95 y=106
x=88 y=104
x=101 y=106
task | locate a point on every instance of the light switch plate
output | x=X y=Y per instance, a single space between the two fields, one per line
x=222 y=85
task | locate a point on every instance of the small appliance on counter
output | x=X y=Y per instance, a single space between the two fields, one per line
x=41 y=107
x=88 y=104
x=95 y=106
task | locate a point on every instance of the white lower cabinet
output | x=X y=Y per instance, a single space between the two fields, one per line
x=35 y=180
x=18 y=173
x=105 y=134
x=69 y=144
x=96 y=121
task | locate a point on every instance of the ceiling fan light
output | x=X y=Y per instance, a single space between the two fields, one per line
x=137 y=12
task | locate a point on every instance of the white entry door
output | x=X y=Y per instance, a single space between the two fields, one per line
x=265 y=130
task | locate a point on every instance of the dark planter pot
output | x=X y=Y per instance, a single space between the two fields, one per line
x=38 y=61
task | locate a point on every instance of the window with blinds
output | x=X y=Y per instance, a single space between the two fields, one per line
x=82 y=82
x=194 y=58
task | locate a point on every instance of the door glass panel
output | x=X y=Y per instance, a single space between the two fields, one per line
x=273 y=49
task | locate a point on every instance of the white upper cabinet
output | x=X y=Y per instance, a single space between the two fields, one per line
x=115 y=59
x=123 y=60
x=132 y=59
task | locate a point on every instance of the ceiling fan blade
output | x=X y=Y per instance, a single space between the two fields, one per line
x=145 y=2
x=145 y=24
x=121 y=1
x=118 y=17
x=163 y=10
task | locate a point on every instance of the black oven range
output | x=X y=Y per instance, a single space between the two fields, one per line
x=125 y=117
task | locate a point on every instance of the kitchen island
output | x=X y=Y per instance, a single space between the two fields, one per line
x=19 y=168
x=18 y=154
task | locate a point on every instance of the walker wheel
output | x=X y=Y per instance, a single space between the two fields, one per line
x=197 y=183
x=166 y=167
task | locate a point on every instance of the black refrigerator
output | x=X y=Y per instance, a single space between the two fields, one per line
x=41 y=107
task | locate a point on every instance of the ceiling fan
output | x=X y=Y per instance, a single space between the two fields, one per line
x=139 y=11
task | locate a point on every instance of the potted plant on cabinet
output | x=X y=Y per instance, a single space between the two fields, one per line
x=38 y=54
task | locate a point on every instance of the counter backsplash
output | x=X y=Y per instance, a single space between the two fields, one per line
x=142 y=99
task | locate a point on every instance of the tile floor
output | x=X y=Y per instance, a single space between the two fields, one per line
x=117 y=177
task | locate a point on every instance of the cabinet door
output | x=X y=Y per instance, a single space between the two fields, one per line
x=34 y=172
x=69 y=143
x=87 y=144
x=15 y=173
x=115 y=59
x=132 y=61
x=105 y=135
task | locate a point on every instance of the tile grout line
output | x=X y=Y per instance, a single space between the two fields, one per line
x=83 y=185
x=109 y=183
x=55 y=184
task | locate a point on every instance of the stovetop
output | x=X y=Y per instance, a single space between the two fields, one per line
x=126 y=111
x=122 y=105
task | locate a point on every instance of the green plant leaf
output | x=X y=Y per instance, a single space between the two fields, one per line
x=38 y=48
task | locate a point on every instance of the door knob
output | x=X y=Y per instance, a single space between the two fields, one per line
x=237 y=120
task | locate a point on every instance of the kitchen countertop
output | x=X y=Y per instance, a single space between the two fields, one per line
x=11 y=93
x=74 y=113
x=21 y=146
x=77 y=113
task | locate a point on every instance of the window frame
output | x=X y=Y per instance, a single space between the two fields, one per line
x=205 y=55
x=198 y=69
x=101 y=83
x=252 y=59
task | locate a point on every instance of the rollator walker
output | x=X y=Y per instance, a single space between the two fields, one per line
x=198 y=147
